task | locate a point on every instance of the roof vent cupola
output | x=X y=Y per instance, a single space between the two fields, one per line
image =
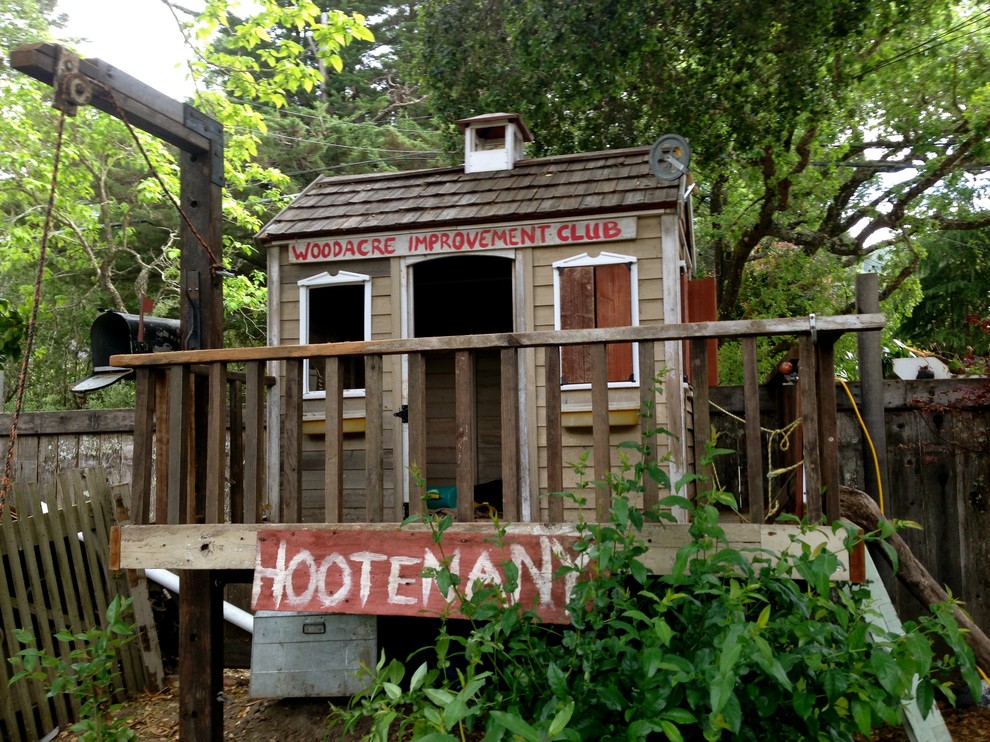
x=493 y=141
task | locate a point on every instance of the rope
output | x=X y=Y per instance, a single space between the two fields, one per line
x=216 y=265
x=8 y=468
x=784 y=434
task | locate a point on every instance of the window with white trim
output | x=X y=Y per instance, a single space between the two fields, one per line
x=334 y=309
x=593 y=293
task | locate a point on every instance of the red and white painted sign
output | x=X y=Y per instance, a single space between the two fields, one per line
x=381 y=572
x=451 y=241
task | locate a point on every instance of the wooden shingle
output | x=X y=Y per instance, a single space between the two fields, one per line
x=545 y=188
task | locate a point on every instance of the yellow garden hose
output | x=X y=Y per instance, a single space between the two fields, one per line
x=873 y=450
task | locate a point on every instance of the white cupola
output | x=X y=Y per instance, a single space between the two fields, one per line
x=493 y=141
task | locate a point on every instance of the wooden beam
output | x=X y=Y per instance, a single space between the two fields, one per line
x=555 y=448
x=467 y=434
x=234 y=546
x=509 y=414
x=734 y=328
x=145 y=107
x=602 y=455
x=374 y=469
x=754 y=448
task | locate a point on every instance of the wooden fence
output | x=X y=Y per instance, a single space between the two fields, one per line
x=51 y=443
x=938 y=464
x=54 y=550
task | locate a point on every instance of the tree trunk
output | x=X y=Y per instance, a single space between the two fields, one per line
x=860 y=508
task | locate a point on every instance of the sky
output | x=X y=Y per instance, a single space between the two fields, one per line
x=139 y=37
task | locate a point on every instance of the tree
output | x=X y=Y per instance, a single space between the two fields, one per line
x=953 y=317
x=835 y=126
x=113 y=229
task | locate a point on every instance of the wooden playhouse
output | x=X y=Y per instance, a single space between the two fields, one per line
x=503 y=244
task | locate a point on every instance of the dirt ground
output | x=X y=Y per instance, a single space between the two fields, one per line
x=155 y=717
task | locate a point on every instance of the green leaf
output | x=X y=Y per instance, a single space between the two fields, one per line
x=517 y=726
x=561 y=720
x=418 y=677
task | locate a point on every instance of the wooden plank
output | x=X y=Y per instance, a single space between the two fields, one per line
x=63 y=422
x=701 y=411
x=137 y=588
x=234 y=546
x=870 y=356
x=333 y=485
x=78 y=565
x=374 y=400
x=509 y=414
x=291 y=495
x=417 y=432
x=808 y=390
x=145 y=107
x=44 y=534
x=200 y=656
x=555 y=447
x=144 y=436
x=163 y=432
x=216 y=445
x=381 y=572
x=254 y=443
x=16 y=595
x=235 y=410
x=754 y=448
x=828 y=426
x=687 y=330
x=466 y=442
x=648 y=421
x=602 y=449
x=31 y=577
x=179 y=424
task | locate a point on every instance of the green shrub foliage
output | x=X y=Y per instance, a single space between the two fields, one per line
x=729 y=645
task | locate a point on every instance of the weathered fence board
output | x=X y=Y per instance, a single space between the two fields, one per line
x=55 y=577
x=938 y=451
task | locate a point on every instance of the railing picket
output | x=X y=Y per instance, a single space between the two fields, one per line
x=236 y=415
x=333 y=496
x=700 y=409
x=754 y=450
x=648 y=424
x=144 y=436
x=374 y=417
x=179 y=435
x=600 y=428
x=808 y=389
x=828 y=442
x=291 y=496
x=555 y=444
x=162 y=436
x=216 y=442
x=254 y=442
x=510 y=434
x=416 y=413
x=466 y=442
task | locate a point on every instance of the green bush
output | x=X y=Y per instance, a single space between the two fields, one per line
x=90 y=674
x=729 y=645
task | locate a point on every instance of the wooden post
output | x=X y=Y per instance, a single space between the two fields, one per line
x=871 y=385
x=466 y=426
x=754 y=448
x=555 y=446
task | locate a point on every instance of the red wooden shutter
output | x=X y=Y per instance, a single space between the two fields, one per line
x=613 y=308
x=577 y=311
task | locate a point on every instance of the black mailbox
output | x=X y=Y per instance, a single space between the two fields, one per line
x=115 y=333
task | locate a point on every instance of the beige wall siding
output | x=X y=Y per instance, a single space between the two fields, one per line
x=538 y=311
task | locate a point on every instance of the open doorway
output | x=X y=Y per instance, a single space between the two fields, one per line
x=463 y=295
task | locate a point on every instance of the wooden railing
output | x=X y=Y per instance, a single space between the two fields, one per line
x=183 y=406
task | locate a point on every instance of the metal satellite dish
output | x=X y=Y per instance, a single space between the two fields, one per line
x=670 y=157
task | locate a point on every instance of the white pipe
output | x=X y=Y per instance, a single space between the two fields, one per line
x=170 y=581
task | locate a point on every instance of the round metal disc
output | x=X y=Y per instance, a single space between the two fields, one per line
x=670 y=157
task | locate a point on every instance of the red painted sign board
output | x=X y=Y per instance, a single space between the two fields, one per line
x=381 y=572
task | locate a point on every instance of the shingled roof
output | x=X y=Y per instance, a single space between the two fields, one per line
x=613 y=181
